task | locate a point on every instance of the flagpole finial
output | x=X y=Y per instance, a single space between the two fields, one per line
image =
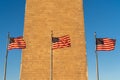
x=94 y=33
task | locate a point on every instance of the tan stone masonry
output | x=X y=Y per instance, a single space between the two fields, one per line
x=64 y=17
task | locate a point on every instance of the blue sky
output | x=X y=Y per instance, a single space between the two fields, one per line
x=11 y=20
x=100 y=16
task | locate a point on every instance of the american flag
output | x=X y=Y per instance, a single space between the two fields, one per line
x=105 y=44
x=17 y=43
x=61 y=42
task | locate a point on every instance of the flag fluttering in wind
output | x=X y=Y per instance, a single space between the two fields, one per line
x=105 y=44
x=16 y=43
x=61 y=42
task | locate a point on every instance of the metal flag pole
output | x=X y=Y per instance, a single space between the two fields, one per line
x=97 y=71
x=5 y=65
x=51 y=59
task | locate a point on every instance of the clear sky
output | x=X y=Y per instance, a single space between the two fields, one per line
x=11 y=20
x=100 y=16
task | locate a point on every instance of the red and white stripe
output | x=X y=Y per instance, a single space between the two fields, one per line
x=64 y=41
x=109 y=44
x=18 y=43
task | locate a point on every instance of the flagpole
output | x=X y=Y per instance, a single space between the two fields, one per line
x=97 y=71
x=5 y=65
x=51 y=59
